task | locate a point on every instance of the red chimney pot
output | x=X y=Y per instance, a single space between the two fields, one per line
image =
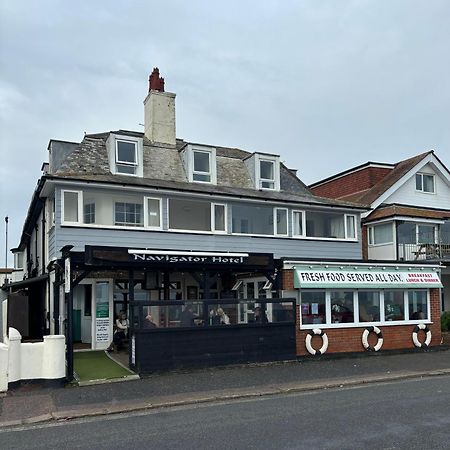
x=156 y=83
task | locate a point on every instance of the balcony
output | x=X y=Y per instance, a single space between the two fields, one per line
x=424 y=252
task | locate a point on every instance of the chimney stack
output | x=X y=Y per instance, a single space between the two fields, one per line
x=159 y=112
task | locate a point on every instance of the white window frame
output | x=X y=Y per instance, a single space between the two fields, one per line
x=303 y=216
x=212 y=164
x=354 y=238
x=422 y=174
x=213 y=218
x=80 y=207
x=357 y=323
x=371 y=235
x=128 y=224
x=275 y=222
x=126 y=163
x=112 y=146
x=275 y=160
x=16 y=260
x=146 y=221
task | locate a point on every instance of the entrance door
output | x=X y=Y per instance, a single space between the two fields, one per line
x=253 y=288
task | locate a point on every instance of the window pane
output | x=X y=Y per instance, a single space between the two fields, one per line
x=281 y=221
x=369 y=306
x=201 y=162
x=298 y=224
x=407 y=233
x=417 y=305
x=121 y=168
x=71 y=206
x=219 y=217
x=425 y=234
x=342 y=307
x=266 y=170
x=201 y=177
x=153 y=212
x=89 y=213
x=313 y=307
x=394 y=305
x=126 y=152
x=129 y=214
x=428 y=183
x=382 y=234
x=418 y=181
x=189 y=215
x=251 y=219
x=328 y=225
x=351 y=232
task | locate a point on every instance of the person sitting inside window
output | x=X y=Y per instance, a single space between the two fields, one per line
x=223 y=318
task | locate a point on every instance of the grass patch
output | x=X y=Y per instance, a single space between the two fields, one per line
x=96 y=366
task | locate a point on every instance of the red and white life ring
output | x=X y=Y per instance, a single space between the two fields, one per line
x=365 y=339
x=417 y=343
x=309 y=336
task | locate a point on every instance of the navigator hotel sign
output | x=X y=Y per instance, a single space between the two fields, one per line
x=187 y=257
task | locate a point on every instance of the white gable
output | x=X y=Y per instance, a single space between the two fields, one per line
x=406 y=193
x=404 y=190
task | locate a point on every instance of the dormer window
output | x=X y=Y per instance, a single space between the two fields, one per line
x=266 y=174
x=201 y=164
x=425 y=183
x=266 y=170
x=126 y=157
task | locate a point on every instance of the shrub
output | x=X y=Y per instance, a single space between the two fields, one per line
x=445 y=321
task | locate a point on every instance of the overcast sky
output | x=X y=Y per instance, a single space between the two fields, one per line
x=325 y=84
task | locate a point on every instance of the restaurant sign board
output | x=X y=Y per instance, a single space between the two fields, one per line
x=360 y=278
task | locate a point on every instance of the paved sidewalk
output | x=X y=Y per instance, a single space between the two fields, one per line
x=30 y=403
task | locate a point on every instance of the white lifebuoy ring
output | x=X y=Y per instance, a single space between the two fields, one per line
x=309 y=336
x=427 y=331
x=365 y=339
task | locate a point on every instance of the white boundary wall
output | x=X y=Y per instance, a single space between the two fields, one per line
x=31 y=361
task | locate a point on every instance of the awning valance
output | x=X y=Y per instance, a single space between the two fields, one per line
x=365 y=277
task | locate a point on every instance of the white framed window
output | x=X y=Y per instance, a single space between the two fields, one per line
x=201 y=170
x=152 y=212
x=72 y=206
x=350 y=226
x=381 y=234
x=298 y=223
x=201 y=164
x=267 y=172
x=341 y=308
x=425 y=183
x=18 y=260
x=219 y=217
x=126 y=157
x=128 y=214
x=280 y=218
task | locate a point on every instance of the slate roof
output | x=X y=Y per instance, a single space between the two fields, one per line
x=163 y=168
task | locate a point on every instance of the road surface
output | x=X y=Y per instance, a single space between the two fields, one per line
x=410 y=414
